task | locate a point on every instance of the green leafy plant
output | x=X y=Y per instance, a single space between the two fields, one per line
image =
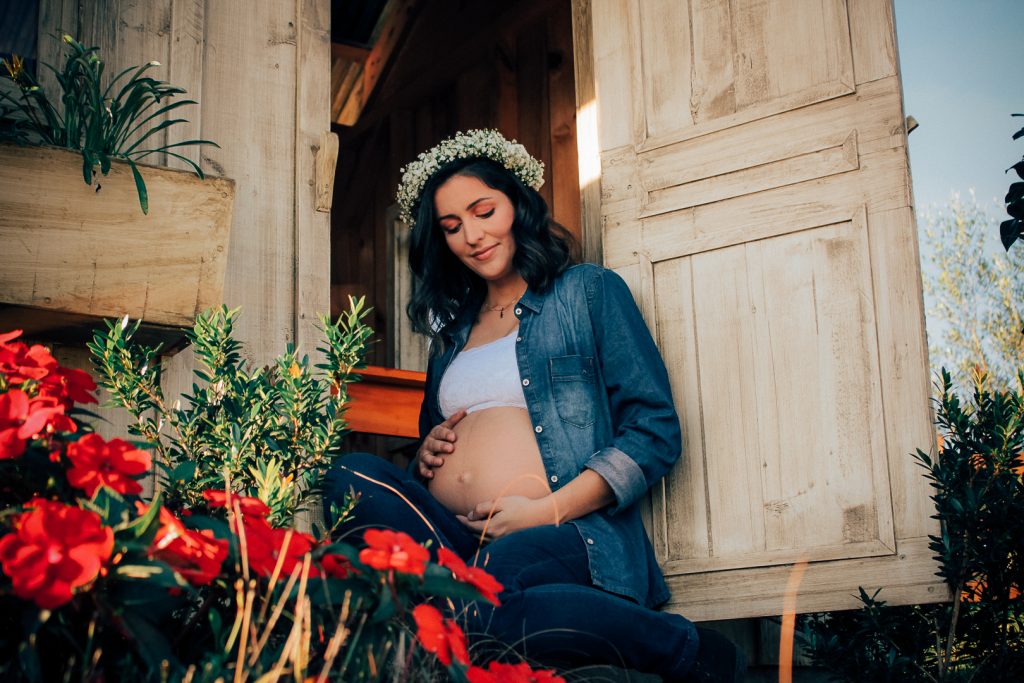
x=97 y=583
x=974 y=294
x=1010 y=229
x=115 y=120
x=269 y=432
x=978 y=479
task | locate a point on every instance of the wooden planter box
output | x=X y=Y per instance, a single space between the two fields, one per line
x=73 y=253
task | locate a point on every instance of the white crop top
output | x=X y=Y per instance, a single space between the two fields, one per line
x=485 y=376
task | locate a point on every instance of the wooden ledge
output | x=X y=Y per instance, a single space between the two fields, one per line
x=386 y=401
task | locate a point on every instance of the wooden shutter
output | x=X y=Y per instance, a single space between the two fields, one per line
x=754 y=192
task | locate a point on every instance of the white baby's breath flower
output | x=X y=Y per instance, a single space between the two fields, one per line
x=484 y=142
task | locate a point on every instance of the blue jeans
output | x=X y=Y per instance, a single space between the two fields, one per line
x=550 y=610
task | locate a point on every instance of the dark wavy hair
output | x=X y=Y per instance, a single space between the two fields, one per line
x=443 y=288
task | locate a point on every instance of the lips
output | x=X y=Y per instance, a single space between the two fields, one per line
x=484 y=254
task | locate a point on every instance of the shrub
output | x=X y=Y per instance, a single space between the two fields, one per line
x=978 y=478
x=209 y=580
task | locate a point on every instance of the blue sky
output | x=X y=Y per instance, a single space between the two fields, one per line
x=962 y=64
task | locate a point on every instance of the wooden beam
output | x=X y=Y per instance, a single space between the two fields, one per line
x=377 y=59
x=386 y=401
x=440 y=45
x=351 y=53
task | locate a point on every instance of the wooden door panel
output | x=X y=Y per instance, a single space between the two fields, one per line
x=755 y=194
x=709 y=66
x=790 y=432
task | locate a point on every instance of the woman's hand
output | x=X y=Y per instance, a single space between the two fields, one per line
x=510 y=513
x=439 y=443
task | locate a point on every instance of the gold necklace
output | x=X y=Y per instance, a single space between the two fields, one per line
x=500 y=308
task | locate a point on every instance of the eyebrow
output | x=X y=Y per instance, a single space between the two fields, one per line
x=471 y=205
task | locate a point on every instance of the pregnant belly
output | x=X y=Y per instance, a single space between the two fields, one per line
x=495 y=455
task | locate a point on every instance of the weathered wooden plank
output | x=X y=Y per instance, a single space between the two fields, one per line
x=903 y=358
x=185 y=70
x=773 y=212
x=255 y=48
x=874 y=39
x=617 y=70
x=666 y=54
x=534 y=110
x=587 y=143
x=56 y=17
x=563 y=174
x=838 y=158
x=826 y=585
x=90 y=250
x=314 y=171
x=713 y=95
x=681 y=503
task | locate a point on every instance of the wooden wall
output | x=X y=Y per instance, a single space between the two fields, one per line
x=503 y=65
x=261 y=72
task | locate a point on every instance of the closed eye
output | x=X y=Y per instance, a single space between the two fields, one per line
x=486 y=215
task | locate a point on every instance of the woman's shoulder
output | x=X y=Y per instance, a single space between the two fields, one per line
x=586 y=273
x=589 y=277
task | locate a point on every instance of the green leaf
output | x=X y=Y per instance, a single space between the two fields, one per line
x=145 y=527
x=140 y=185
x=185 y=472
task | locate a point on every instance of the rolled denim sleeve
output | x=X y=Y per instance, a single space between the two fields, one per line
x=646 y=438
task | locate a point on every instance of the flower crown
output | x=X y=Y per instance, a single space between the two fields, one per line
x=484 y=142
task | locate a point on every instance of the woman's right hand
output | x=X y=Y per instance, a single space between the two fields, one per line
x=439 y=443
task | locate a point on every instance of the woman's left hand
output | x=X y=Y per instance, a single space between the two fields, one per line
x=509 y=513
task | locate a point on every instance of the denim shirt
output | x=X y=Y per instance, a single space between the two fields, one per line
x=598 y=396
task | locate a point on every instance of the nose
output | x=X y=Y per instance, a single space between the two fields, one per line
x=471 y=232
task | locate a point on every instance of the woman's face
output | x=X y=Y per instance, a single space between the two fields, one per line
x=477 y=224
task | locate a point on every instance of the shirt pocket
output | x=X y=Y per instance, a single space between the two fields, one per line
x=572 y=387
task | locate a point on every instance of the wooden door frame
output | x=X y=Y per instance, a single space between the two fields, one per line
x=587 y=144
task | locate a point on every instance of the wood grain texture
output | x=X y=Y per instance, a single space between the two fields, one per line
x=90 y=249
x=587 y=142
x=249 y=110
x=316 y=153
x=760 y=200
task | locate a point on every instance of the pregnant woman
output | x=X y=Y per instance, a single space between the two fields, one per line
x=547 y=416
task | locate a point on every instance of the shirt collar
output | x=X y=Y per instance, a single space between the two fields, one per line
x=532 y=300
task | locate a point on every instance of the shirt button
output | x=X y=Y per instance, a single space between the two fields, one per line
x=526 y=382
x=554 y=479
x=538 y=429
x=590 y=541
x=519 y=339
x=519 y=311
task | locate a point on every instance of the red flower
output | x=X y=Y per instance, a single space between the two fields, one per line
x=70 y=386
x=511 y=673
x=196 y=555
x=21 y=363
x=250 y=506
x=23 y=418
x=441 y=636
x=394 y=550
x=337 y=566
x=13 y=413
x=265 y=544
x=47 y=415
x=53 y=550
x=480 y=579
x=114 y=463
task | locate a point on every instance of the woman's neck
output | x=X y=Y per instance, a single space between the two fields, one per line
x=506 y=291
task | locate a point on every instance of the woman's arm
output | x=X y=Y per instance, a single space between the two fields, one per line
x=586 y=493
x=646 y=439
